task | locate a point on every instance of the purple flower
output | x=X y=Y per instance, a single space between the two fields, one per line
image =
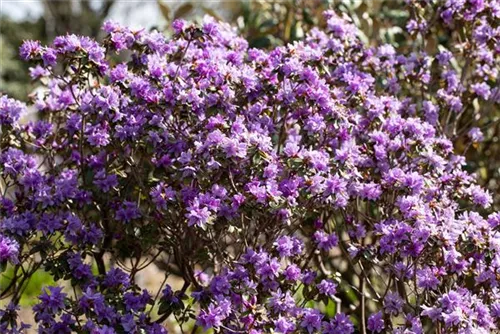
x=127 y=212
x=116 y=277
x=106 y=99
x=482 y=90
x=136 y=302
x=97 y=135
x=325 y=241
x=234 y=148
x=198 y=214
x=376 y=322
x=311 y=320
x=475 y=135
x=327 y=287
x=9 y=250
x=340 y=324
x=161 y=194
x=119 y=73
x=444 y=57
x=370 y=191
x=284 y=325
x=10 y=110
x=178 y=25
x=393 y=304
x=30 y=49
x=292 y=273
x=49 y=57
x=412 y=26
x=269 y=269
x=282 y=302
x=105 y=182
x=81 y=271
x=288 y=246
x=38 y=72
x=212 y=317
x=414 y=182
x=51 y=300
x=284 y=246
x=220 y=285
x=308 y=277
x=427 y=279
x=431 y=112
x=480 y=196
x=433 y=313
x=128 y=323
x=110 y=26
x=104 y=330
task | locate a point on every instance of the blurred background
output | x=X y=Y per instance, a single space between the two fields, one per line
x=264 y=23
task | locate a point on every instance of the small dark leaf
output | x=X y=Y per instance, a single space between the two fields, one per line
x=308 y=18
x=267 y=24
x=261 y=42
x=164 y=308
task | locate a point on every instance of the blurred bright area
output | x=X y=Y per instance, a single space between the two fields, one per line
x=45 y=19
x=264 y=23
x=140 y=13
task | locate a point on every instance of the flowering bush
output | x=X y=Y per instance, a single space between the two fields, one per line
x=313 y=188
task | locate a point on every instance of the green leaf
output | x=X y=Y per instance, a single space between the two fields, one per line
x=331 y=308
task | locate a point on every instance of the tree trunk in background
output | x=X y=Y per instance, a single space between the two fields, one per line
x=74 y=16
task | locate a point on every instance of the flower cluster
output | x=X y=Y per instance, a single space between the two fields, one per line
x=9 y=250
x=260 y=295
x=305 y=189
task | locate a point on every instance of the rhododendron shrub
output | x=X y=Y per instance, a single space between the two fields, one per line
x=309 y=189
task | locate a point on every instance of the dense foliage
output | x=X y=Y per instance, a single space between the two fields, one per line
x=276 y=184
